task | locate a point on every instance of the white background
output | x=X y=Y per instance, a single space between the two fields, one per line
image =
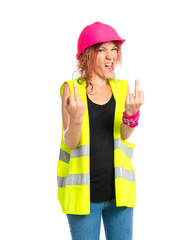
x=38 y=45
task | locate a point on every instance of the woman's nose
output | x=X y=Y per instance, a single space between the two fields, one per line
x=109 y=55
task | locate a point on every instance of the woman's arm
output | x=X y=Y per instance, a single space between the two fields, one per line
x=72 y=127
x=126 y=131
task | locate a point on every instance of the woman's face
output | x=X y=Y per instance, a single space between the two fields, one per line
x=106 y=60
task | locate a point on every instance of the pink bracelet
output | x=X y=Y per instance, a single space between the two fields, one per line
x=131 y=121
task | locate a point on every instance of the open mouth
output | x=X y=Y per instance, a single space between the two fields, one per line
x=109 y=66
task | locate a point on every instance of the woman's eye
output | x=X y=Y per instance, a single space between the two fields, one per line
x=101 y=50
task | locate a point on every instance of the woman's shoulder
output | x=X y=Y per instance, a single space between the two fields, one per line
x=119 y=82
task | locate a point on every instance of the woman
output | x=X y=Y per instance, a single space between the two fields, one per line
x=95 y=174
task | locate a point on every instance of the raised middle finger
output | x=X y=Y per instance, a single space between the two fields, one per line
x=76 y=92
x=136 y=88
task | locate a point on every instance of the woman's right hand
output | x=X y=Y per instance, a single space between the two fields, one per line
x=75 y=107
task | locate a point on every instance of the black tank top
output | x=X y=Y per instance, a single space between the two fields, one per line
x=101 y=121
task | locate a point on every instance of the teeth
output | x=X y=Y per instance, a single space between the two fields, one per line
x=109 y=64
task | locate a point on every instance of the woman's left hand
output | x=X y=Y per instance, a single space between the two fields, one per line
x=133 y=103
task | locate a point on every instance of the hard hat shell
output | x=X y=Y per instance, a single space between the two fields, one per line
x=96 y=33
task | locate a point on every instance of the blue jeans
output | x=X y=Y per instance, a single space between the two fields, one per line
x=118 y=222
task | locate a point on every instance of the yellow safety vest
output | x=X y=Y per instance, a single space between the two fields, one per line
x=73 y=168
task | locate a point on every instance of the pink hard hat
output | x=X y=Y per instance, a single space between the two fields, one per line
x=96 y=33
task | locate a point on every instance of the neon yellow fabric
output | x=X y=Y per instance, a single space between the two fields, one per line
x=73 y=168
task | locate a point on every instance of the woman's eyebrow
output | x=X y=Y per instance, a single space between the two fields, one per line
x=113 y=46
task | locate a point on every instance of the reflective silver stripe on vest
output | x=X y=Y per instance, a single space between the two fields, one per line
x=74 y=179
x=121 y=172
x=81 y=151
x=85 y=151
x=84 y=179
x=76 y=152
x=118 y=144
x=64 y=156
